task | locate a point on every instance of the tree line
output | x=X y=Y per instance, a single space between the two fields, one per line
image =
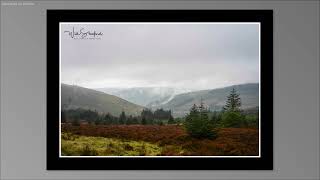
x=147 y=116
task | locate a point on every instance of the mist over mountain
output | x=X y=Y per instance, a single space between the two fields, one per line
x=145 y=96
x=214 y=98
x=181 y=100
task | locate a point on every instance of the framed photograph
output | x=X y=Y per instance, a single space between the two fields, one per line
x=159 y=89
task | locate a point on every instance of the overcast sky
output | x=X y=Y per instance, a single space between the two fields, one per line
x=191 y=56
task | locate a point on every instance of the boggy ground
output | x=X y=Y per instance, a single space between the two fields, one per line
x=155 y=140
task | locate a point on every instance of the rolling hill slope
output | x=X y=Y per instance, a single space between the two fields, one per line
x=73 y=97
x=215 y=99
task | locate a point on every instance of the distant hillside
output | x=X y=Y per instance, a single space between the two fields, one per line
x=215 y=99
x=145 y=96
x=73 y=97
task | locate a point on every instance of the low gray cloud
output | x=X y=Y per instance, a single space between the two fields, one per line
x=193 y=56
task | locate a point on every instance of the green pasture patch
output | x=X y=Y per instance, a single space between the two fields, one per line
x=99 y=146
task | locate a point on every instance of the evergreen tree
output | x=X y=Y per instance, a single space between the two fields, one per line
x=232 y=116
x=161 y=114
x=150 y=121
x=143 y=121
x=129 y=120
x=216 y=118
x=97 y=122
x=194 y=112
x=171 y=120
x=203 y=112
x=122 y=118
x=198 y=124
x=233 y=103
x=63 y=117
x=115 y=120
x=108 y=119
x=147 y=114
x=135 y=120
x=233 y=119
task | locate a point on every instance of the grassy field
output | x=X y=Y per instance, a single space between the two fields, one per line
x=154 y=140
x=74 y=145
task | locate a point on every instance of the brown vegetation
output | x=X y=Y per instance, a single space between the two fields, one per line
x=174 y=139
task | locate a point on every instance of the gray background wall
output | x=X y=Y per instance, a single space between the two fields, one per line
x=296 y=90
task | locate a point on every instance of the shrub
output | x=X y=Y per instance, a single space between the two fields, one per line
x=128 y=147
x=75 y=122
x=142 y=150
x=233 y=119
x=87 y=151
x=252 y=120
x=68 y=136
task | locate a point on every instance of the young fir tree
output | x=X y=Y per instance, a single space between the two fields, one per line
x=207 y=128
x=232 y=116
x=233 y=103
x=216 y=118
x=191 y=118
x=203 y=112
x=122 y=118
x=171 y=120
x=143 y=121
x=198 y=124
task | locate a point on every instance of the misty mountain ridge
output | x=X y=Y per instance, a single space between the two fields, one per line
x=214 y=99
x=178 y=101
x=73 y=97
x=145 y=96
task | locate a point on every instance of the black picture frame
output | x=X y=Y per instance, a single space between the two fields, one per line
x=264 y=162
